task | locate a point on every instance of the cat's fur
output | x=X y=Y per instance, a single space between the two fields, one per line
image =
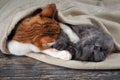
x=93 y=44
x=38 y=29
x=41 y=32
x=36 y=34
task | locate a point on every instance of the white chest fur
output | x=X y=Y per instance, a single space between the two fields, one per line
x=18 y=48
x=72 y=35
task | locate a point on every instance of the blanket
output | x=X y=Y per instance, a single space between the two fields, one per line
x=71 y=12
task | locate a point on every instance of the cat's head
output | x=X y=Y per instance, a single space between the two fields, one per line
x=39 y=29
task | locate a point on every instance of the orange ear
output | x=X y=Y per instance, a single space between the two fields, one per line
x=49 y=11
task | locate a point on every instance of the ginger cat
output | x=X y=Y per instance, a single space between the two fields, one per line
x=36 y=34
x=39 y=29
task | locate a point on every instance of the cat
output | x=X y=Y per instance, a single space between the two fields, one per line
x=85 y=42
x=42 y=33
x=36 y=33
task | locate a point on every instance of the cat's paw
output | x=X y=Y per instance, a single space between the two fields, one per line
x=65 y=55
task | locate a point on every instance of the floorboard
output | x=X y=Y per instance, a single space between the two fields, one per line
x=24 y=68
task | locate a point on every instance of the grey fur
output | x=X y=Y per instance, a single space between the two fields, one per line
x=94 y=44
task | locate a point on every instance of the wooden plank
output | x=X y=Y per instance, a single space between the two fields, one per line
x=24 y=68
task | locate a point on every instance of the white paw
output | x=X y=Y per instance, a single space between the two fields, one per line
x=65 y=55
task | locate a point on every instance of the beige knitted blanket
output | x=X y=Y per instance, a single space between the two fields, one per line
x=69 y=11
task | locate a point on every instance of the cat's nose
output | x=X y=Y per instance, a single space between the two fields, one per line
x=47 y=39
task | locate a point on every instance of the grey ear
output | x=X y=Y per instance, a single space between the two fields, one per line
x=49 y=11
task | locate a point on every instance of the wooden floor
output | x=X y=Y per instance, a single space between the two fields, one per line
x=24 y=68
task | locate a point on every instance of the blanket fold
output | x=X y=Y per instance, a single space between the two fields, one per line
x=75 y=13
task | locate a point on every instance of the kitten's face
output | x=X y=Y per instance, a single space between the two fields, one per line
x=39 y=29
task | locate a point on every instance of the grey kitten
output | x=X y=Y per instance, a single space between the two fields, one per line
x=94 y=44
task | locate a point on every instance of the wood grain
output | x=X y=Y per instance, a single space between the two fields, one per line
x=24 y=68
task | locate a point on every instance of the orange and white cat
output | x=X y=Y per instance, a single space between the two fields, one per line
x=36 y=34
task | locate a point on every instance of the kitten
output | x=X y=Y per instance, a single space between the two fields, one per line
x=84 y=42
x=37 y=33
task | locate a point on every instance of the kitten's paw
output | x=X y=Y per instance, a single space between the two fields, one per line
x=65 y=55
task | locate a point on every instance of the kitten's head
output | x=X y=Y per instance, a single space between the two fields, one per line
x=39 y=29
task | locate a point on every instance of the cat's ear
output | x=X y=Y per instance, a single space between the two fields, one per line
x=49 y=11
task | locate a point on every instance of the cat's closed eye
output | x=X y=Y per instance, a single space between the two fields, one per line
x=36 y=25
x=51 y=35
x=46 y=26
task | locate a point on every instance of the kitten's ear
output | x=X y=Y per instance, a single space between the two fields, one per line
x=49 y=11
